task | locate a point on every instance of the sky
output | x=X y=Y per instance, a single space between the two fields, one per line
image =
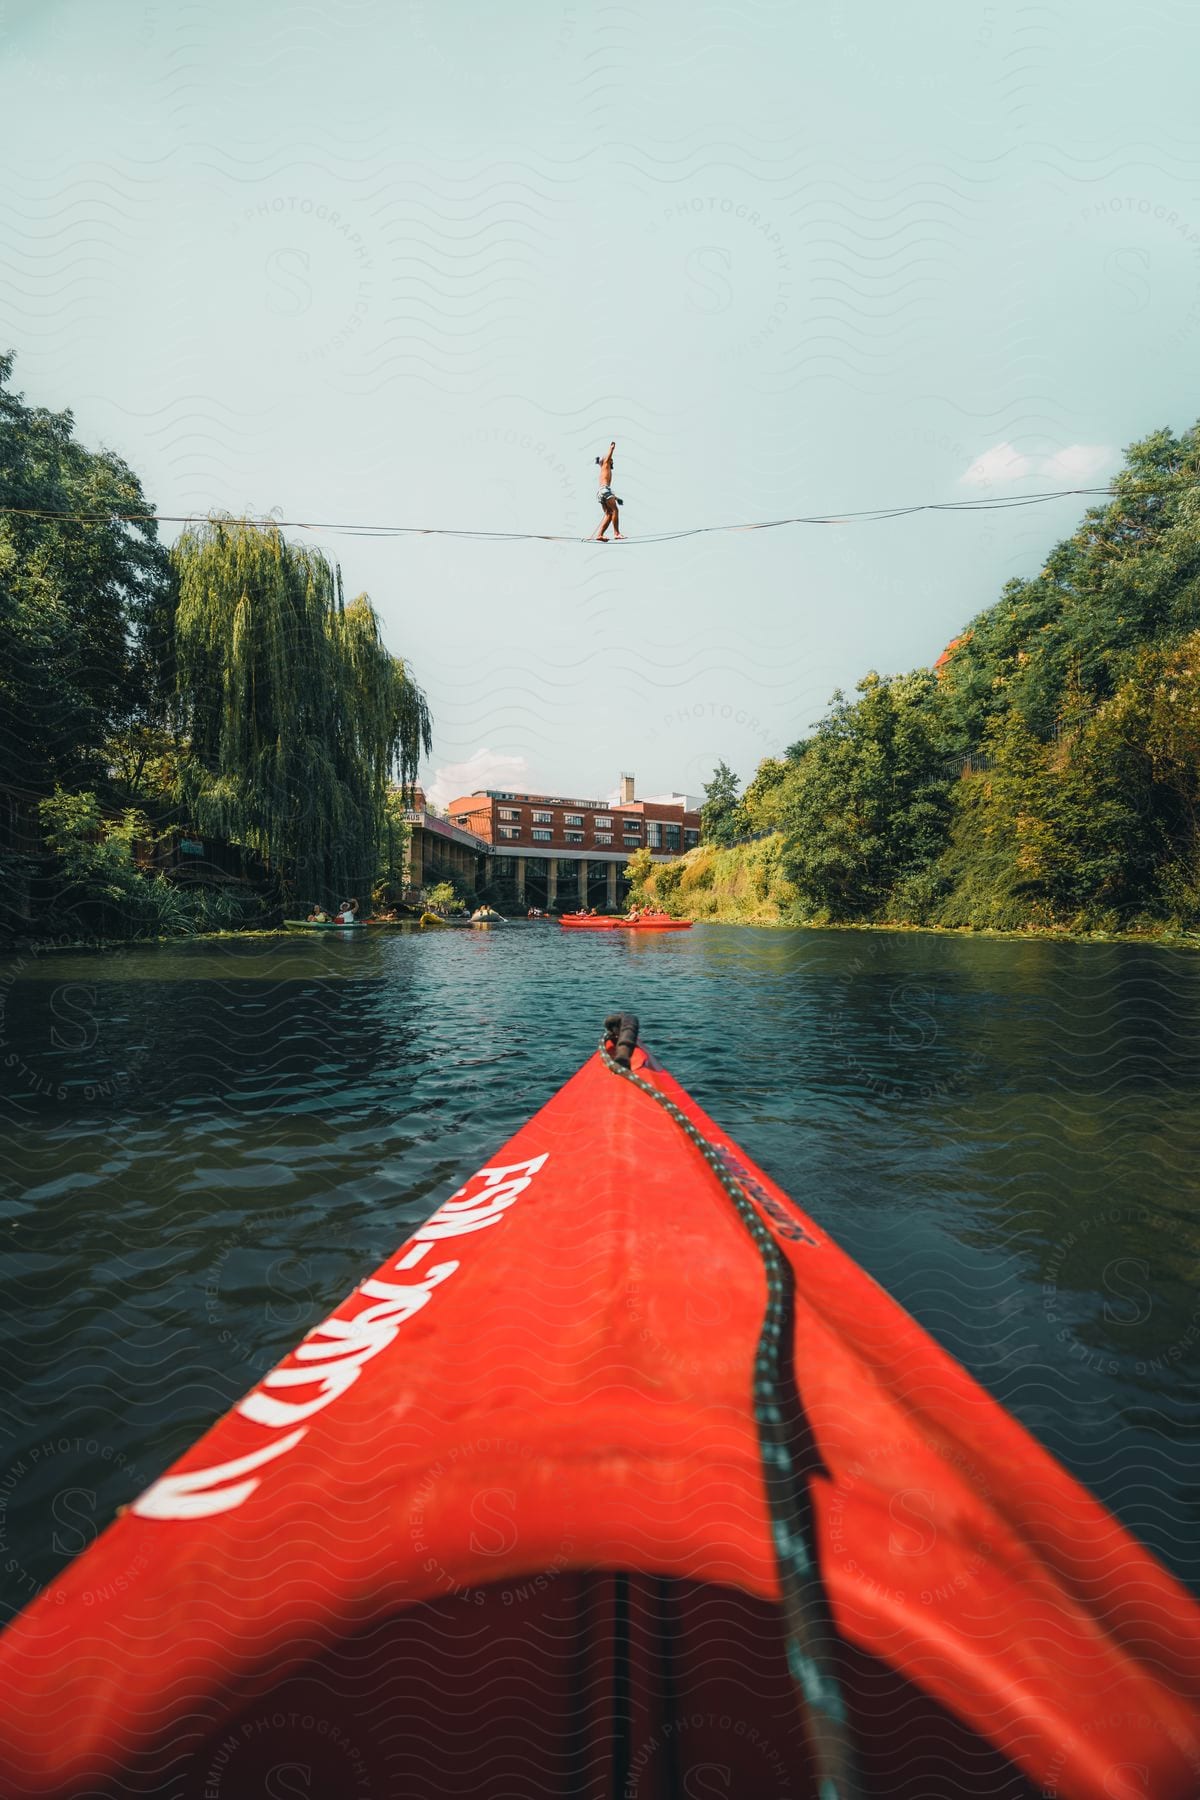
x=416 y=264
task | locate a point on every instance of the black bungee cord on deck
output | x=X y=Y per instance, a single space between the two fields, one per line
x=777 y=1407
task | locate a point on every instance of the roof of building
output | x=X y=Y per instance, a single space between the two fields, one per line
x=445 y=828
x=689 y=802
x=533 y=799
x=686 y=801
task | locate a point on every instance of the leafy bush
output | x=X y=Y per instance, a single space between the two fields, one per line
x=639 y=871
x=745 y=881
x=96 y=854
x=698 y=870
x=442 y=898
x=106 y=894
x=452 y=881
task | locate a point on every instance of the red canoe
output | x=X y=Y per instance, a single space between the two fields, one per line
x=618 y=1479
x=646 y=922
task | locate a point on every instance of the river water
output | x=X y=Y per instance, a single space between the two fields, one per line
x=203 y=1146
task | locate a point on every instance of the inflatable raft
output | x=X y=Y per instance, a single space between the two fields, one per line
x=618 y=1478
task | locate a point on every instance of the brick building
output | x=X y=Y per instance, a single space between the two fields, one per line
x=556 y=852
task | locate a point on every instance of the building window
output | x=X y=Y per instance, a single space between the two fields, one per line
x=691 y=837
x=653 y=834
x=543 y=818
x=602 y=824
x=574 y=837
x=629 y=825
x=572 y=818
x=604 y=837
x=509 y=812
x=510 y=831
x=672 y=834
x=541 y=837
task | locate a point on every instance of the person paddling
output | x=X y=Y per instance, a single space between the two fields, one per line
x=608 y=500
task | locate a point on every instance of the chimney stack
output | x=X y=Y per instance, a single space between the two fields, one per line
x=627 y=794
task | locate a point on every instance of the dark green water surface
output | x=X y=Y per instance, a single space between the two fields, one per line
x=204 y=1146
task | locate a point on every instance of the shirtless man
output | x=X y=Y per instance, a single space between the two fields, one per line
x=606 y=497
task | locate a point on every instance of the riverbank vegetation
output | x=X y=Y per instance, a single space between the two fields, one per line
x=192 y=737
x=1046 y=776
x=742 y=884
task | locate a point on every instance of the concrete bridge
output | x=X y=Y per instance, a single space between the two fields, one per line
x=437 y=848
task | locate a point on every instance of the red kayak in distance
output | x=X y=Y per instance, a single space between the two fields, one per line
x=648 y=921
x=618 y=1478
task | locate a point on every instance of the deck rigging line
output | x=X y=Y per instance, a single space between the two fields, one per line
x=779 y=1416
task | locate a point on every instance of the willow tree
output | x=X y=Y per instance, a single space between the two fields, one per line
x=295 y=715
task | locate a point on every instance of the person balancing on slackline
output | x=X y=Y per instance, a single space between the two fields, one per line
x=606 y=497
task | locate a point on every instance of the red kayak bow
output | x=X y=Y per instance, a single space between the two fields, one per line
x=619 y=1478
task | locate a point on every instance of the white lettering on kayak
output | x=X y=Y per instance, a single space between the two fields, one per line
x=367 y=1333
x=329 y=1359
x=200 y=1493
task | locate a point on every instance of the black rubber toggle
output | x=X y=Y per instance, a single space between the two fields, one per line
x=622 y=1029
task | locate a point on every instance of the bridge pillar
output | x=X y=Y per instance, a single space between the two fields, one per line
x=612 y=885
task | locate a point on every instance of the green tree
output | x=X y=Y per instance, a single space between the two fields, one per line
x=453 y=881
x=108 y=886
x=1061 y=692
x=85 y=599
x=722 y=819
x=444 y=897
x=1052 y=775
x=868 y=802
x=638 y=871
x=296 y=717
x=1128 y=575
x=1049 y=835
x=394 y=835
x=98 y=854
x=142 y=762
x=763 y=797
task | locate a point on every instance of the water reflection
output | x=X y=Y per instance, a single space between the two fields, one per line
x=205 y=1145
